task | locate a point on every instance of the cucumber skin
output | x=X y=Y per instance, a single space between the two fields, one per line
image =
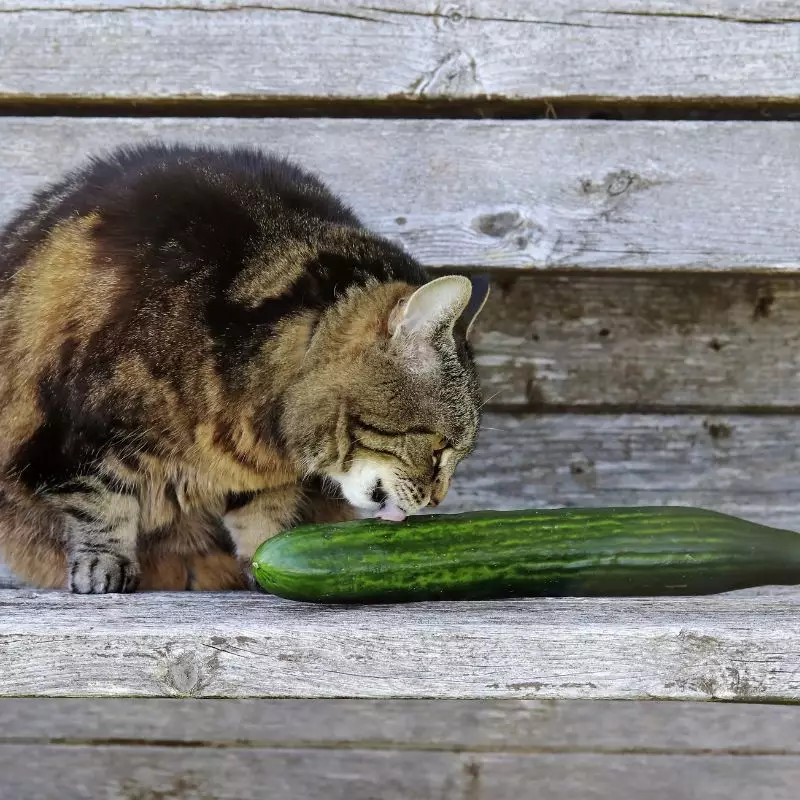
x=483 y=555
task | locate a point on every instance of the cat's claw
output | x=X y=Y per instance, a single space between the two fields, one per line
x=92 y=572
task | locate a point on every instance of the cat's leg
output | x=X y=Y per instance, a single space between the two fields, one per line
x=321 y=505
x=195 y=555
x=253 y=517
x=101 y=526
x=31 y=541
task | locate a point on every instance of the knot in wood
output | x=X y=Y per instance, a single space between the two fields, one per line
x=452 y=14
x=184 y=673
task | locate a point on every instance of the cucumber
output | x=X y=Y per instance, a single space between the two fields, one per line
x=546 y=553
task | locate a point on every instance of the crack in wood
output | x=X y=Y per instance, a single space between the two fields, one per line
x=467 y=17
x=696 y=15
x=448 y=16
x=389 y=746
x=232 y=8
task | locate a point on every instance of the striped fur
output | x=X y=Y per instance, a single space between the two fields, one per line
x=201 y=348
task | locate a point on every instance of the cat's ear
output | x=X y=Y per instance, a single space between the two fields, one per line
x=437 y=304
x=480 y=293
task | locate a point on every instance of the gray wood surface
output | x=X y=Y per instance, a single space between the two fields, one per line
x=553 y=726
x=641 y=341
x=497 y=194
x=147 y=748
x=250 y=645
x=627 y=49
x=736 y=463
x=150 y=773
x=7 y=580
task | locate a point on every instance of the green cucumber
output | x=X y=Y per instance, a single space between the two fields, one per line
x=545 y=553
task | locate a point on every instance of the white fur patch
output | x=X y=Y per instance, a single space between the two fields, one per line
x=360 y=480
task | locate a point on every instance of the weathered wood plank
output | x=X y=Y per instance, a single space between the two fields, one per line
x=641 y=341
x=7 y=580
x=250 y=645
x=627 y=49
x=739 y=464
x=122 y=773
x=551 y=726
x=240 y=774
x=500 y=194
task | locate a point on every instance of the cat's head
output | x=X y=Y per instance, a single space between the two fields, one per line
x=391 y=401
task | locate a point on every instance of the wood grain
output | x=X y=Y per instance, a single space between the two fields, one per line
x=739 y=464
x=250 y=645
x=324 y=49
x=551 y=726
x=240 y=774
x=641 y=341
x=577 y=195
x=148 y=773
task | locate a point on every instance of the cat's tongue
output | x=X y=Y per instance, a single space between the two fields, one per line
x=391 y=513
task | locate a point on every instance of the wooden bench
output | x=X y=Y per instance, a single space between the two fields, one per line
x=629 y=176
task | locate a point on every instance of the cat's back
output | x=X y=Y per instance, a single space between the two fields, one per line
x=123 y=262
x=156 y=199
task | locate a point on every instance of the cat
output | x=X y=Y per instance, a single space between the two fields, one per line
x=200 y=348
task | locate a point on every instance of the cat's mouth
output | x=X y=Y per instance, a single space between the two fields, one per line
x=387 y=509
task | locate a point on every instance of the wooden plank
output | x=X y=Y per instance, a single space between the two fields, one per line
x=251 y=645
x=739 y=464
x=7 y=580
x=240 y=774
x=641 y=341
x=233 y=774
x=544 y=726
x=503 y=194
x=211 y=49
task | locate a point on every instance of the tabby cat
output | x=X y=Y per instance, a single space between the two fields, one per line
x=200 y=348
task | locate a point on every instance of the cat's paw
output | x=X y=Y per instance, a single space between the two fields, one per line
x=100 y=573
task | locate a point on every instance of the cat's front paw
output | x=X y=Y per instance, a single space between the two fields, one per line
x=100 y=573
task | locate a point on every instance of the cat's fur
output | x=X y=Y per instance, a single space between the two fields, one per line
x=201 y=348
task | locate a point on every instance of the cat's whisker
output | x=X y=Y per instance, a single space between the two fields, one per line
x=492 y=397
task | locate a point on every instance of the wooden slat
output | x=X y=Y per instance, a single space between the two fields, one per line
x=251 y=645
x=641 y=341
x=78 y=772
x=739 y=464
x=499 y=194
x=7 y=579
x=628 y=49
x=552 y=726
